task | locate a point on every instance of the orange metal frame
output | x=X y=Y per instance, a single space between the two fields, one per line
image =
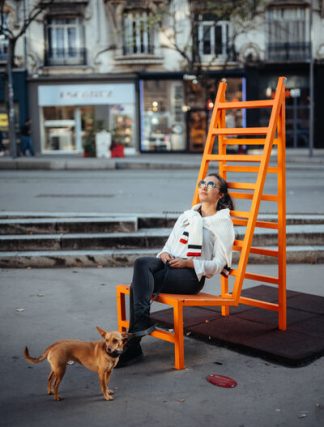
x=273 y=134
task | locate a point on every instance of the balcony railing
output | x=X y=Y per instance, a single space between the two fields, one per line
x=288 y=52
x=138 y=50
x=227 y=54
x=66 y=56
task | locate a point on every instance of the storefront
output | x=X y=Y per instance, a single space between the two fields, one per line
x=72 y=115
x=175 y=110
x=171 y=112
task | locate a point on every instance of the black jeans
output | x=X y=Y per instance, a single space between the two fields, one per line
x=152 y=276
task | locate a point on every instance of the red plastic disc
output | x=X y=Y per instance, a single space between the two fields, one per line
x=221 y=381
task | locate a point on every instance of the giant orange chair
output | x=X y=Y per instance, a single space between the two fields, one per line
x=268 y=137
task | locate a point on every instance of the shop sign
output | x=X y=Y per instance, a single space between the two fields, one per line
x=88 y=94
x=3 y=120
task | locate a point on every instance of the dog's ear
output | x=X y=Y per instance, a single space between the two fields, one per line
x=101 y=331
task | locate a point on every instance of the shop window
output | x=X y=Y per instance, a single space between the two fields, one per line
x=163 y=116
x=297 y=108
x=175 y=116
x=200 y=99
x=73 y=129
x=74 y=117
x=65 y=42
x=287 y=34
x=3 y=39
x=138 y=33
x=213 y=39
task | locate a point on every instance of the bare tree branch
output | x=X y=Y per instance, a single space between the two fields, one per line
x=242 y=12
x=38 y=8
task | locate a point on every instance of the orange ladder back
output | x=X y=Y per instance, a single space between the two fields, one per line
x=273 y=135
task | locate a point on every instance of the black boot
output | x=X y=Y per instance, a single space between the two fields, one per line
x=132 y=354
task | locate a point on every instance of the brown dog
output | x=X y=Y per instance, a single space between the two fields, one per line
x=98 y=356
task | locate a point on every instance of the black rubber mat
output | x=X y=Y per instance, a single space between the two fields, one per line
x=254 y=331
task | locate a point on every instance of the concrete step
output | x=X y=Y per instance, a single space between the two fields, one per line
x=126 y=257
x=66 y=225
x=147 y=238
x=44 y=222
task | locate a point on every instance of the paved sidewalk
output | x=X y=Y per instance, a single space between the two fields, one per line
x=296 y=158
x=41 y=306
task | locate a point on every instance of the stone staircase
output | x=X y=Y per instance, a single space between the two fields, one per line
x=88 y=240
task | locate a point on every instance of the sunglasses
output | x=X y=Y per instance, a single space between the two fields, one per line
x=210 y=185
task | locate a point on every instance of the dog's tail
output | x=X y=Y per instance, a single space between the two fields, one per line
x=35 y=360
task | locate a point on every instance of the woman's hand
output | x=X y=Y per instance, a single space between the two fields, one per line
x=165 y=257
x=181 y=263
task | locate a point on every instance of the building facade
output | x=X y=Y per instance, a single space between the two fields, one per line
x=146 y=72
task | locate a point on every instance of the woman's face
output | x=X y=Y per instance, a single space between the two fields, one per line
x=208 y=190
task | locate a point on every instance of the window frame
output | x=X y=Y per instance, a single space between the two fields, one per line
x=138 y=38
x=73 y=48
x=287 y=34
x=225 y=26
x=276 y=15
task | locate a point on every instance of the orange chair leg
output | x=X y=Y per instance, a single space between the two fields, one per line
x=179 y=336
x=282 y=315
x=224 y=286
x=121 y=310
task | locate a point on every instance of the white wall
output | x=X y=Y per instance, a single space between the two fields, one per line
x=100 y=33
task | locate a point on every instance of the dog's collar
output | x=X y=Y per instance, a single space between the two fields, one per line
x=114 y=354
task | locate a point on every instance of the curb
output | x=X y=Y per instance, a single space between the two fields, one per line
x=92 y=164
x=57 y=164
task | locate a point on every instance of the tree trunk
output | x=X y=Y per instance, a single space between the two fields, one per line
x=10 y=100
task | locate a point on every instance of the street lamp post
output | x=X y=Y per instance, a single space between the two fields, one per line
x=311 y=82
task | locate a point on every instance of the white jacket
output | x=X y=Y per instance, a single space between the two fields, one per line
x=218 y=238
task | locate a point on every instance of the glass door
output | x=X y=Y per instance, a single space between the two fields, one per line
x=197 y=129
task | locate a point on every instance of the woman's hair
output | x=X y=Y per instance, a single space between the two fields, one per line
x=225 y=201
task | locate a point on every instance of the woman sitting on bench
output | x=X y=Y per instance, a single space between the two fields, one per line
x=199 y=246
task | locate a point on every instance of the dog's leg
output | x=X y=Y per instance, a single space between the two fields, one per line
x=59 y=374
x=49 y=383
x=107 y=374
x=103 y=385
